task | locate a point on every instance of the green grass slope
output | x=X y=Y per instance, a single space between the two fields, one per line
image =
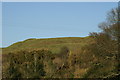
x=53 y=44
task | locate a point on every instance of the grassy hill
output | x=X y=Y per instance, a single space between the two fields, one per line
x=66 y=57
x=53 y=44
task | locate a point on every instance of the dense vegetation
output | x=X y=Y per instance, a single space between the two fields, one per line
x=96 y=56
x=54 y=64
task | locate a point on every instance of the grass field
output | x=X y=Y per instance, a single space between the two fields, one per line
x=53 y=44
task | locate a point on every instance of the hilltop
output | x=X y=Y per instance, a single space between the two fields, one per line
x=53 y=44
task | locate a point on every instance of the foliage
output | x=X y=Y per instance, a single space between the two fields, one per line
x=95 y=56
x=107 y=41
